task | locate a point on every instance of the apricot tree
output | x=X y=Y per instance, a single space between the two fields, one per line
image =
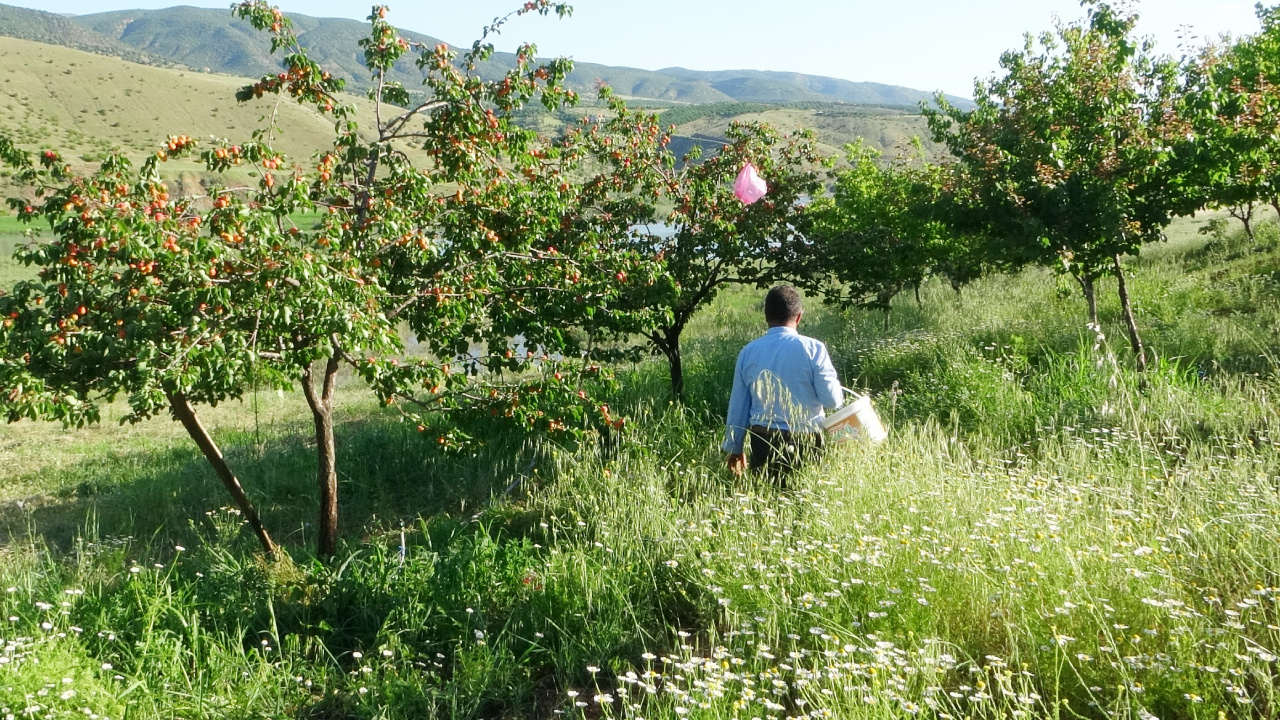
x=1071 y=153
x=484 y=238
x=444 y=217
x=132 y=298
x=879 y=231
x=709 y=239
x=1232 y=100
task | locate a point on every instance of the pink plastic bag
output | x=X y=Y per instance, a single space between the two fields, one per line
x=749 y=186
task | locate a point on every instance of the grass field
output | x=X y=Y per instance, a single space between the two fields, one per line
x=1046 y=534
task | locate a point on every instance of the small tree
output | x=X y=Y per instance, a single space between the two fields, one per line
x=131 y=299
x=488 y=240
x=878 y=233
x=1070 y=152
x=1232 y=100
x=712 y=239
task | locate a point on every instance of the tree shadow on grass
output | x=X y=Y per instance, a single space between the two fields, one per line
x=386 y=473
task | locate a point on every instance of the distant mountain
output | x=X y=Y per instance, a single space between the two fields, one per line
x=765 y=86
x=211 y=39
x=204 y=38
x=44 y=27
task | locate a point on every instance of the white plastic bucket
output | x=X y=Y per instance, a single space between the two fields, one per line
x=856 y=420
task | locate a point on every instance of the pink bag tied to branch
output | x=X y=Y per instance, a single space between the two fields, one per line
x=749 y=186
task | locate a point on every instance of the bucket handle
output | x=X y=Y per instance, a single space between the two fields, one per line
x=852 y=395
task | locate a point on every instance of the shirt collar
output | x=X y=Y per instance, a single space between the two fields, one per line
x=782 y=330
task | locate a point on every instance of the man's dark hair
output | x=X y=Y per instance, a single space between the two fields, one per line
x=782 y=305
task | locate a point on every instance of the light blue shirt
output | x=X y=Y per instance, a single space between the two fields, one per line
x=783 y=380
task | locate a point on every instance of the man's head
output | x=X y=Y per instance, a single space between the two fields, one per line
x=782 y=306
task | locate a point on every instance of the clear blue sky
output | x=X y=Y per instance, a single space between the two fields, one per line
x=924 y=44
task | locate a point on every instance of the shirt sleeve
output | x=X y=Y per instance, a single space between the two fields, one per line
x=825 y=382
x=739 y=412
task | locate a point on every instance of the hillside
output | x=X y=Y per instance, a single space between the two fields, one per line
x=787 y=87
x=214 y=40
x=87 y=104
x=885 y=129
x=39 y=26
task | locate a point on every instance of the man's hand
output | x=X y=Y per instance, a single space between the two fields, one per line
x=737 y=463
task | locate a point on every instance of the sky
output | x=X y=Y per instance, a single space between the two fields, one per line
x=924 y=44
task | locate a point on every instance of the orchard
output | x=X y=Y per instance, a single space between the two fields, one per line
x=495 y=347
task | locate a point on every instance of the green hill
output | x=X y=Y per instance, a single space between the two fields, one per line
x=39 y=26
x=215 y=40
x=787 y=87
x=88 y=104
x=885 y=128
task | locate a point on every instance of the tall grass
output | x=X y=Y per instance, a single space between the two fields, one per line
x=1045 y=534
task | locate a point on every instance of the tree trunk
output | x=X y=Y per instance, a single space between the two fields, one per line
x=1244 y=213
x=917 y=289
x=186 y=414
x=670 y=347
x=884 y=301
x=1275 y=203
x=1126 y=308
x=1090 y=297
x=321 y=404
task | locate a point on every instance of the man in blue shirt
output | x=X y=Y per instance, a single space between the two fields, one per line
x=781 y=385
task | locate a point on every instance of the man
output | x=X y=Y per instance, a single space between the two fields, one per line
x=781 y=385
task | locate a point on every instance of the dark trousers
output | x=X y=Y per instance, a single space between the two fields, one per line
x=778 y=453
